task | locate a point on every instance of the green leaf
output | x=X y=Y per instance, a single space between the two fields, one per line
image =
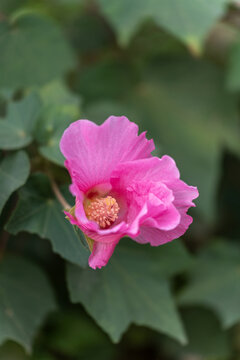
x=26 y=298
x=170 y=259
x=14 y=171
x=54 y=126
x=41 y=51
x=6 y=94
x=60 y=108
x=215 y=282
x=188 y=20
x=151 y=42
x=72 y=2
x=205 y=336
x=16 y=130
x=68 y=338
x=7 y=6
x=98 y=81
x=57 y=94
x=187 y=110
x=131 y=289
x=13 y=351
x=233 y=70
x=38 y=212
x=89 y=32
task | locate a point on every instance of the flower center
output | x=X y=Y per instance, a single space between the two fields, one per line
x=104 y=211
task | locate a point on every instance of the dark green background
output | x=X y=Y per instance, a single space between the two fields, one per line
x=173 y=67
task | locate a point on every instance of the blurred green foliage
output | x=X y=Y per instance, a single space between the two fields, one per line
x=171 y=66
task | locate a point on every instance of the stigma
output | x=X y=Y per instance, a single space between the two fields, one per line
x=104 y=211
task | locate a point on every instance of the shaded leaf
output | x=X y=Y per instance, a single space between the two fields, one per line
x=16 y=130
x=41 y=51
x=131 y=289
x=194 y=118
x=89 y=33
x=60 y=108
x=215 y=282
x=14 y=171
x=40 y=213
x=69 y=338
x=72 y=2
x=188 y=20
x=57 y=94
x=233 y=71
x=26 y=298
x=109 y=78
x=7 y=6
x=168 y=260
x=205 y=336
x=12 y=351
x=151 y=42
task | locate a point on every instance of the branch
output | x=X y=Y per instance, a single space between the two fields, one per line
x=58 y=194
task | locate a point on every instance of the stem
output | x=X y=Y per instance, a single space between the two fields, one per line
x=59 y=195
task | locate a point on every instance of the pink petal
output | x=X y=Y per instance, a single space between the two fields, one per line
x=134 y=226
x=168 y=219
x=154 y=169
x=93 y=151
x=160 y=202
x=183 y=193
x=101 y=254
x=158 y=237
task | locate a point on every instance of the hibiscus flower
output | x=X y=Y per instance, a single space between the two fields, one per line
x=121 y=189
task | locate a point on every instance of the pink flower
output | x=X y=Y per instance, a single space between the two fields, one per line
x=121 y=189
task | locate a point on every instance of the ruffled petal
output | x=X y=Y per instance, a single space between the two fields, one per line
x=93 y=151
x=183 y=194
x=158 y=237
x=172 y=220
x=168 y=219
x=154 y=169
x=101 y=254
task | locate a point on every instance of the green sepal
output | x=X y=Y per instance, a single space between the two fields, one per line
x=89 y=241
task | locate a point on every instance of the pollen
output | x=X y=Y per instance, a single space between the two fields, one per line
x=104 y=211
